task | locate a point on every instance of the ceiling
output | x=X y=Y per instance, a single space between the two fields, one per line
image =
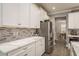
x=59 y=6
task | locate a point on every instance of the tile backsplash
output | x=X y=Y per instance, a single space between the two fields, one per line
x=75 y=30
x=10 y=34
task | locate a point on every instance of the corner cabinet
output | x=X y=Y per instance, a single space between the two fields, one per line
x=34 y=16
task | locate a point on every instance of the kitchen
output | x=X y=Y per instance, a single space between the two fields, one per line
x=32 y=29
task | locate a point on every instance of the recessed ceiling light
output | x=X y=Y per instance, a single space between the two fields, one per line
x=53 y=8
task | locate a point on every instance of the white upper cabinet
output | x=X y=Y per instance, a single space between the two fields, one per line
x=35 y=16
x=16 y=14
x=0 y=14
x=73 y=20
x=24 y=15
x=41 y=14
x=10 y=14
x=44 y=15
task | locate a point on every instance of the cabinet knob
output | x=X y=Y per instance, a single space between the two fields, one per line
x=25 y=55
x=19 y=24
x=25 y=48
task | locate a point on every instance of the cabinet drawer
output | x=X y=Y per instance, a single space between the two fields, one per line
x=14 y=52
x=39 y=42
x=21 y=51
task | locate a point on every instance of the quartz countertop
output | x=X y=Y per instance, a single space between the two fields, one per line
x=9 y=46
x=75 y=46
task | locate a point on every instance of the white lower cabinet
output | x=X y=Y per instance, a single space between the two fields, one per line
x=31 y=51
x=43 y=45
x=35 y=48
x=40 y=47
x=28 y=50
x=71 y=51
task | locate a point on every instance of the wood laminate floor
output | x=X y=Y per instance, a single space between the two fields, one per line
x=60 y=49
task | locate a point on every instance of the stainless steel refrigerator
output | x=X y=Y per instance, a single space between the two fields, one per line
x=46 y=31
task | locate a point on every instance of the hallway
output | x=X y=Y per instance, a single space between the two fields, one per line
x=60 y=49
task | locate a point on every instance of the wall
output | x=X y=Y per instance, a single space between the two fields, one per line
x=52 y=18
x=10 y=34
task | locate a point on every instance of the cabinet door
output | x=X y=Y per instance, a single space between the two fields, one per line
x=24 y=14
x=76 y=20
x=31 y=50
x=10 y=14
x=73 y=20
x=38 y=18
x=39 y=48
x=35 y=17
x=0 y=13
x=44 y=15
x=43 y=45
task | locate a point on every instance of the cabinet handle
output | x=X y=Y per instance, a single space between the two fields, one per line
x=19 y=24
x=25 y=48
x=25 y=55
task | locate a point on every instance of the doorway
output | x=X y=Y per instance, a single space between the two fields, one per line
x=60 y=28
